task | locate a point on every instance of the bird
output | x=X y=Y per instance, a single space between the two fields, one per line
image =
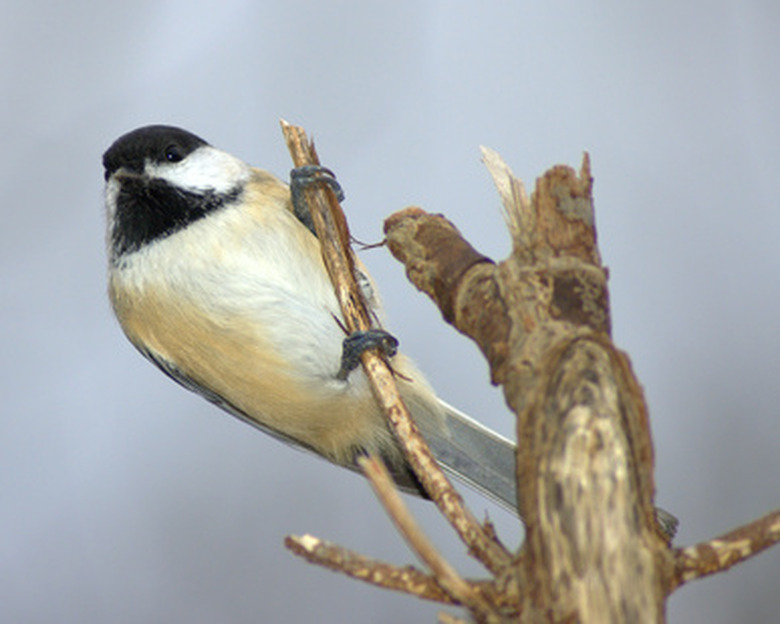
x=216 y=276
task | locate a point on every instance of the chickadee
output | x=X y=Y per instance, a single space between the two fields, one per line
x=214 y=279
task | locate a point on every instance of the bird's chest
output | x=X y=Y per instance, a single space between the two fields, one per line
x=250 y=282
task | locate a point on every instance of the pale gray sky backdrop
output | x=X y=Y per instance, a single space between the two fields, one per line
x=125 y=499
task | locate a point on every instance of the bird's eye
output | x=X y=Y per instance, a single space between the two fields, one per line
x=173 y=154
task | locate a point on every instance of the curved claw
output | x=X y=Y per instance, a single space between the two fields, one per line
x=300 y=178
x=359 y=341
x=667 y=522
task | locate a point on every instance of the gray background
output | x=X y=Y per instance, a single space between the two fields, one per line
x=125 y=499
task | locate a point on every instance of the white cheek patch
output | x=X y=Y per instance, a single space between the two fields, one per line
x=112 y=192
x=207 y=168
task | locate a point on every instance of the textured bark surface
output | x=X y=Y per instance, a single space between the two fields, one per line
x=593 y=551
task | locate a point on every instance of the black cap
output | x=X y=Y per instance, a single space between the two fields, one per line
x=155 y=143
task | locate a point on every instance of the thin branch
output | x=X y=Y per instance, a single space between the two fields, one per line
x=406 y=579
x=719 y=554
x=331 y=228
x=449 y=579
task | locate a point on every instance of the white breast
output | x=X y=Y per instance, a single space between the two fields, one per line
x=262 y=269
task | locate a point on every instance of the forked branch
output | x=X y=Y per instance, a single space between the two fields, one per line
x=594 y=551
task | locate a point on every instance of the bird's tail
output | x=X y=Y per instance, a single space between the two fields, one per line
x=486 y=461
x=474 y=454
